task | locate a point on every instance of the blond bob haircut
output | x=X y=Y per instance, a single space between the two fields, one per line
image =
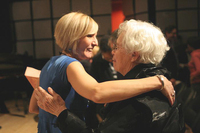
x=144 y=38
x=71 y=27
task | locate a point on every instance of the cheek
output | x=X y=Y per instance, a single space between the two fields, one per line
x=122 y=59
x=82 y=47
x=118 y=60
x=83 y=54
x=88 y=54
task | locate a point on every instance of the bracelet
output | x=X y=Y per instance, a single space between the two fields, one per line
x=162 y=81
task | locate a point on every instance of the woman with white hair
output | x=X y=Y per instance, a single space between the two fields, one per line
x=75 y=34
x=140 y=47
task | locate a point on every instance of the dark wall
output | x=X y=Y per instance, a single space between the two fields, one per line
x=5 y=28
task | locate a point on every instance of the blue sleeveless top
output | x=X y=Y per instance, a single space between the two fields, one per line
x=53 y=75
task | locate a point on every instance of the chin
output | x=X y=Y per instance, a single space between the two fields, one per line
x=115 y=67
x=88 y=56
x=85 y=57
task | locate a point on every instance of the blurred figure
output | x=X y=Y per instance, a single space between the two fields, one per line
x=102 y=70
x=193 y=109
x=194 y=63
x=170 y=33
x=171 y=61
x=101 y=67
x=183 y=57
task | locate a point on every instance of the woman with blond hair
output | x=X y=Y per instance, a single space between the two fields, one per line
x=75 y=34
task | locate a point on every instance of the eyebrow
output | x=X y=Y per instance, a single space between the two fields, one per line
x=116 y=44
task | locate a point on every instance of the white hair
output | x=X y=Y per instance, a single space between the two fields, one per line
x=144 y=38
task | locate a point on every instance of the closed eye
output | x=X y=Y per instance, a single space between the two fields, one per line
x=90 y=35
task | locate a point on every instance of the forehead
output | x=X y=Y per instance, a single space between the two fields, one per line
x=92 y=31
x=120 y=37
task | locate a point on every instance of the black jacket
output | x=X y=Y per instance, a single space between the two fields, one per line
x=149 y=112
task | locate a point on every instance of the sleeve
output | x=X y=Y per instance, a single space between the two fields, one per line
x=69 y=123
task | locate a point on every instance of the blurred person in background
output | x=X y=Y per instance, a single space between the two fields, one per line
x=171 y=61
x=102 y=70
x=194 y=63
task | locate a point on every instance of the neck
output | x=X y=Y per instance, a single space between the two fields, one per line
x=128 y=68
x=71 y=55
x=68 y=54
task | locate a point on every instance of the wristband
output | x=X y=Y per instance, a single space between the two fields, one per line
x=162 y=81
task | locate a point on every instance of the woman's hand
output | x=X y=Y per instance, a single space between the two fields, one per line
x=50 y=102
x=168 y=90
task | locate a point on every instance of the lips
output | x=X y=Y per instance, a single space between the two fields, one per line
x=90 y=49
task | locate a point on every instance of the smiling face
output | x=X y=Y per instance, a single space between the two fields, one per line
x=85 y=46
x=123 y=61
x=75 y=34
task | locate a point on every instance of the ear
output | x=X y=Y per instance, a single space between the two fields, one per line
x=135 y=56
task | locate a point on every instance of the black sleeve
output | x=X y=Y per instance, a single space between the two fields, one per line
x=69 y=123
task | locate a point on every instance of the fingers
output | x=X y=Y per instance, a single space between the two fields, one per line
x=51 y=91
x=168 y=91
x=44 y=103
x=172 y=96
x=42 y=91
x=45 y=106
x=40 y=104
x=39 y=93
x=50 y=102
x=42 y=95
x=173 y=93
x=172 y=99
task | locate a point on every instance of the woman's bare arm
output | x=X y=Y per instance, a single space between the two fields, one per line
x=116 y=90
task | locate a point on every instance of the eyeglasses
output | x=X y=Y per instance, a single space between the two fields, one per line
x=116 y=46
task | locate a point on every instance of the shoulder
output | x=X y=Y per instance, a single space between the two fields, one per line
x=58 y=63
x=64 y=58
x=75 y=67
x=64 y=61
x=61 y=59
x=152 y=70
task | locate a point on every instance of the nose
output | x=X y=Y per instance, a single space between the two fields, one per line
x=95 y=41
x=113 y=52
